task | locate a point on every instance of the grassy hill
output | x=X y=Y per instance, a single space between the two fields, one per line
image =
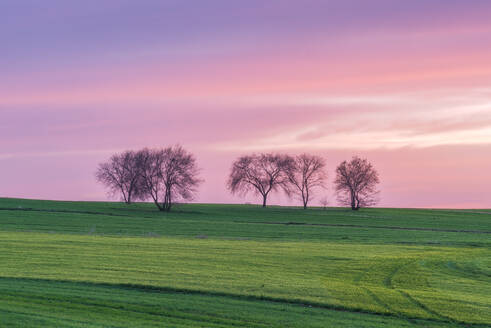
x=101 y=264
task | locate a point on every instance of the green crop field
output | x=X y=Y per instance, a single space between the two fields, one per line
x=102 y=264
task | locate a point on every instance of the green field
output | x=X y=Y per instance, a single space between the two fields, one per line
x=101 y=264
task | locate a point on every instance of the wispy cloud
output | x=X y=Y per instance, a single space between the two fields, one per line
x=61 y=153
x=418 y=119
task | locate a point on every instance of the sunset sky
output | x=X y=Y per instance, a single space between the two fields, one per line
x=406 y=84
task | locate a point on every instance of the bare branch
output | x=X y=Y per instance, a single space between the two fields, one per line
x=305 y=175
x=169 y=175
x=356 y=183
x=261 y=174
x=121 y=175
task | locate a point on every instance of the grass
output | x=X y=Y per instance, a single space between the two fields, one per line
x=47 y=303
x=82 y=264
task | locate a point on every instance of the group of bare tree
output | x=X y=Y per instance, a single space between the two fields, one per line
x=164 y=175
x=266 y=173
x=301 y=176
x=170 y=174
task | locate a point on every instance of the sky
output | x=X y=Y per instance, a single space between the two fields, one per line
x=405 y=84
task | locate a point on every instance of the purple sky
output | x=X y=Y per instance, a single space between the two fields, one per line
x=406 y=84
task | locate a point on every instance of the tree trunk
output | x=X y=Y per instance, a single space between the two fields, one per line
x=156 y=202
x=264 y=200
x=125 y=198
x=129 y=197
x=357 y=202
x=167 y=203
x=353 y=201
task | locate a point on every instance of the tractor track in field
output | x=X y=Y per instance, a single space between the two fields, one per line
x=388 y=279
x=388 y=307
x=388 y=283
x=378 y=300
x=424 y=307
x=171 y=315
x=29 y=209
x=45 y=316
x=259 y=298
x=365 y=226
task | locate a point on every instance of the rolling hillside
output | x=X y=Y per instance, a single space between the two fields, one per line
x=102 y=264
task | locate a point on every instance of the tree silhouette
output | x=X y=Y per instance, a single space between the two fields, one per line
x=261 y=174
x=121 y=175
x=356 y=183
x=169 y=174
x=305 y=175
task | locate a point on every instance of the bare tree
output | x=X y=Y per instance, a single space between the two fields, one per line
x=169 y=175
x=261 y=174
x=356 y=183
x=121 y=175
x=305 y=175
